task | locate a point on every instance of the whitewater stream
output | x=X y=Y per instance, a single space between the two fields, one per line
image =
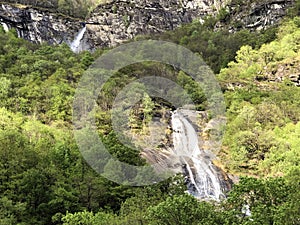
x=202 y=177
x=76 y=44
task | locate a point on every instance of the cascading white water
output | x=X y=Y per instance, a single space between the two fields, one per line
x=203 y=180
x=5 y=27
x=75 y=45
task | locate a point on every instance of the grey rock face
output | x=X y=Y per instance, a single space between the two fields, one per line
x=120 y=20
x=109 y=24
x=39 y=26
x=258 y=15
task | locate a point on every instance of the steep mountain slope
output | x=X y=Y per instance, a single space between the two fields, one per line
x=45 y=180
x=118 y=21
x=262 y=92
x=115 y=22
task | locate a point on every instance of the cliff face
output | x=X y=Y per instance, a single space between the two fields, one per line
x=115 y=22
x=257 y=15
x=109 y=24
x=121 y=20
x=39 y=25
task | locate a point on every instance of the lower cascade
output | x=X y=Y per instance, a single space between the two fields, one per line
x=204 y=180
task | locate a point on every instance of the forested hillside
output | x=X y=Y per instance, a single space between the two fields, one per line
x=263 y=105
x=45 y=180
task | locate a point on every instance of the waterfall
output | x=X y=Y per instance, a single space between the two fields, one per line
x=5 y=27
x=75 y=45
x=202 y=177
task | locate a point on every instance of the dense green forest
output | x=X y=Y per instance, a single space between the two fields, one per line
x=45 y=180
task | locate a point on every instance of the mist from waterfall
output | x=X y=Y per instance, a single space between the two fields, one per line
x=201 y=176
x=76 y=44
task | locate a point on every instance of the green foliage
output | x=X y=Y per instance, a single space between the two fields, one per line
x=74 y=8
x=10 y=211
x=285 y=156
x=295 y=10
x=39 y=80
x=253 y=139
x=193 y=90
x=183 y=210
x=120 y=151
x=263 y=114
x=217 y=48
x=250 y=63
x=269 y=202
x=223 y=15
x=45 y=180
x=148 y=107
x=87 y=218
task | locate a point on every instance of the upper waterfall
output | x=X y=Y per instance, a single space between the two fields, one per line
x=202 y=177
x=76 y=44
